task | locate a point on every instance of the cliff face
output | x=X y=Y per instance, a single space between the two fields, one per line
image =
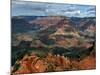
x=33 y=64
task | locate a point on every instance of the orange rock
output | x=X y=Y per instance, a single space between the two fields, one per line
x=32 y=64
x=87 y=63
x=40 y=66
x=25 y=64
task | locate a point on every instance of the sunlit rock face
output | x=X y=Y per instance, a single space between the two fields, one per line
x=33 y=64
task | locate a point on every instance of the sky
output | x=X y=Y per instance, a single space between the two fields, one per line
x=28 y=8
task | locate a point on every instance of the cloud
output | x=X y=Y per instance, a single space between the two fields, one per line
x=28 y=6
x=46 y=9
x=91 y=11
x=64 y=13
x=73 y=12
x=62 y=9
x=92 y=8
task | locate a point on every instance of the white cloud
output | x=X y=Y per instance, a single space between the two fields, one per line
x=73 y=12
x=78 y=11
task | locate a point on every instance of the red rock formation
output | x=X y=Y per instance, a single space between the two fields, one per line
x=33 y=63
x=87 y=63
